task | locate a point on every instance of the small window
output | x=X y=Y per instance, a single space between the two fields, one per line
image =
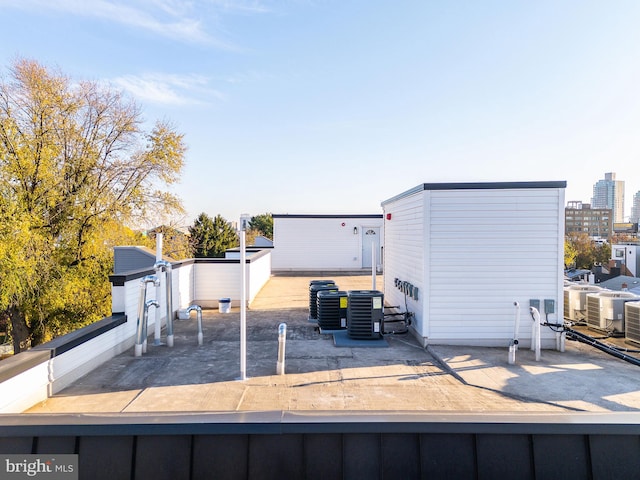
x=370 y=232
x=619 y=252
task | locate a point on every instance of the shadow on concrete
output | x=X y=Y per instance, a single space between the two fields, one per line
x=582 y=378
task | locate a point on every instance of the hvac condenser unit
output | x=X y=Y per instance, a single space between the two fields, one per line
x=365 y=314
x=332 y=310
x=632 y=321
x=316 y=286
x=605 y=310
x=575 y=301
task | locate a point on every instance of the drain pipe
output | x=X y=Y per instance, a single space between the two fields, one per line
x=141 y=340
x=282 y=340
x=147 y=306
x=513 y=346
x=535 y=332
x=163 y=265
x=142 y=299
x=198 y=310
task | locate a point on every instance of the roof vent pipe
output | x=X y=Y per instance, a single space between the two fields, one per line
x=513 y=345
x=535 y=331
x=141 y=327
x=141 y=345
x=163 y=265
x=198 y=310
x=282 y=340
x=147 y=306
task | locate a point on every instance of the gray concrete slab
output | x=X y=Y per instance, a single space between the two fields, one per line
x=581 y=378
x=321 y=377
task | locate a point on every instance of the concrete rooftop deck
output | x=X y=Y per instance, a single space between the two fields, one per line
x=321 y=377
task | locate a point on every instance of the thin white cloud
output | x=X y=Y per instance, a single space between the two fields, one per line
x=169 y=89
x=179 y=20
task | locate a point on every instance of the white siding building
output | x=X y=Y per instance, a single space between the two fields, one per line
x=626 y=256
x=463 y=253
x=326 y=242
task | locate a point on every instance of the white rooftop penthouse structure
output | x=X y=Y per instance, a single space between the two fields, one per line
x=459 y=255
x=335 y=242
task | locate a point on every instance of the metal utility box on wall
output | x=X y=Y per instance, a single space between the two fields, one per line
x=471 y=250
x=328 y=243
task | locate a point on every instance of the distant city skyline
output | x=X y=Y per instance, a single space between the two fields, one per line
x=604 y=196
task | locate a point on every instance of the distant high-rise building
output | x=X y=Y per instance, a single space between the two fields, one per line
x=581 y=218
x=635 y=209
x=609 y=193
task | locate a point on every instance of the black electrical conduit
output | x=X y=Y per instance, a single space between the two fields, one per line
x=571 y=334
x=401 y=317
x=404 y=317
x=404 y=329
x=581 y=337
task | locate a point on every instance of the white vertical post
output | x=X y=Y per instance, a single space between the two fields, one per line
x=244 y=220
x=157 y=326
x=373 y=265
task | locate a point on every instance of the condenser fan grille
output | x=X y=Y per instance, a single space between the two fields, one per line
x=365 y=314
x=332 y=310
x=316 y=286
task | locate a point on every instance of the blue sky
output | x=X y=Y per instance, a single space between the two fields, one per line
x=331 y=106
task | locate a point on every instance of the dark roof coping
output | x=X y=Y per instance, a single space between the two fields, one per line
x=21 y=362
x=477 y=186
x=66 y=342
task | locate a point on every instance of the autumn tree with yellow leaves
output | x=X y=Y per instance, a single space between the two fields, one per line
x=76 y=166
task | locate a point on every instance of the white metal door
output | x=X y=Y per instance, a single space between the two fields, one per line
x=370 y=240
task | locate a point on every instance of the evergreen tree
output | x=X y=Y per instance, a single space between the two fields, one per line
x=262 y=223
x=212 y=237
